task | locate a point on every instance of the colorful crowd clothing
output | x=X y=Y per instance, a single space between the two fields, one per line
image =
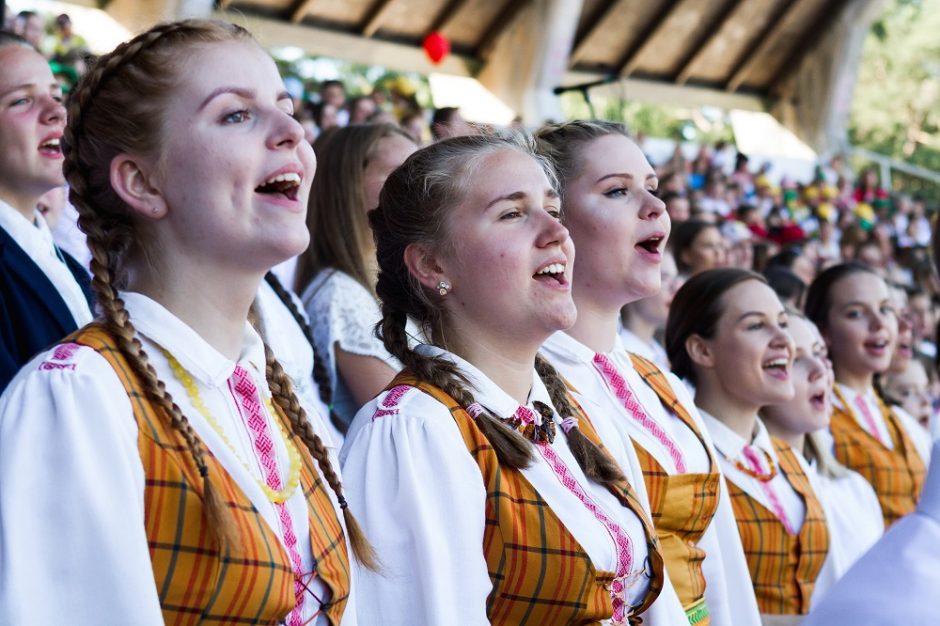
x=883 y=454
x=45 y=294
x=780 y=520
x=101 y=465
x=343 y=315
x=677 y=430
x=408 y=457
x=896 y=581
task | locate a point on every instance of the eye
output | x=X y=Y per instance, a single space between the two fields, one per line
x=619 y=192
x=511 y=214
x=755 y=326
x=854 y=314
x=887 y=310
x=237 y=117
x=20 y=101
x=556 y=213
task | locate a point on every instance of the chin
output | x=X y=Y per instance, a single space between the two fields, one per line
x=561 y=320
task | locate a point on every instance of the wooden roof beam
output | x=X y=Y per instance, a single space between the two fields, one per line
x=443 y=21
x=709 y=34
x=299 y=10
x=766 y=38
x=580 y=43
x=652 y=27
x=830 y=12
x=377 y=12
x=502 y=21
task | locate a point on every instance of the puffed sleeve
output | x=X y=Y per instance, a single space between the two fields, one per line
x=73 y=549
x=420 y=498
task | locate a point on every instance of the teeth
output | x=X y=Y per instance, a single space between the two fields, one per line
x=776 y=363
x=290 y=177
x=52 y=143
x=554 y=268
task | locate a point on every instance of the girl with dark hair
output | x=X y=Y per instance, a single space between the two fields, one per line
x=336 y=274
x=727 y=333
x=44 y=291
x=166 y=437
x=506 y=509
x=620 y=227
x=851 y=305
x=853 y=514
x=698 y=246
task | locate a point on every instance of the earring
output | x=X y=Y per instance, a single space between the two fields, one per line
x=153 y=210
x=443 y=287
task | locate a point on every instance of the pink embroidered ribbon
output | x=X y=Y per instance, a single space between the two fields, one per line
x=620 y=538
x=389 y=404
x=621 y=389
x=754 y=461
x=245 y=392
x=869 y=418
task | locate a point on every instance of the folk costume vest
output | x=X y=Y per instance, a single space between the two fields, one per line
x=682 y=505
x=540 y=574
x=196 y=584
x=783 y=567
x=896 y=475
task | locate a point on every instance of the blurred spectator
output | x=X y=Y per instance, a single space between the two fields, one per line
x=63 y=40
x=697 y=246
x=29 y=26
x=447 y=122
x=677 y=206
x=333 y=101
x=361 y=108
x=413 y=123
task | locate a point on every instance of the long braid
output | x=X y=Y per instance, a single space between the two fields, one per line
x=511 y=448
x=320 y=374
x=110 y=234
x=596 y=465
x=282 y=390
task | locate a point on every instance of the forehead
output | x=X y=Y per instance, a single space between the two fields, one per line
x=614 y=154
x=750 y=296
x=241 y=64
x=504 y=172
x=859 y=287
x=803 y=332
x=20 y=65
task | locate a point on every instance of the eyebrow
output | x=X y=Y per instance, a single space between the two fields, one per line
x=520 y=195
x=52 y=85
x=649 y=176
x=247 y=94
x=750 y=313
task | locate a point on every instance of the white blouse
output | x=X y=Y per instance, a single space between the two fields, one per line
x=420 y=497
x=724 y=567
x=730 y=447
x=35 y=239
x=651 y=351
x=344 y=315
x=72 y=519
x=854 y=519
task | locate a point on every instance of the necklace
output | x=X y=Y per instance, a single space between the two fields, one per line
x=755 y=473
x=293 y=479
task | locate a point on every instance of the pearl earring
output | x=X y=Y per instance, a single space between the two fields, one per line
x=443 y=287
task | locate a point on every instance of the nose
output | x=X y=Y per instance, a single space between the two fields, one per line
x=551 y=231
x=652 y=207
x=53 y=111
x=286 y=132
x=783 y=339
x=818 y=369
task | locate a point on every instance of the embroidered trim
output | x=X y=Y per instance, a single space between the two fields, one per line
x=389 y=404
x=625 y=579
x=778 y=509
x=59 y=357
x=536 y=427
x=622 y=390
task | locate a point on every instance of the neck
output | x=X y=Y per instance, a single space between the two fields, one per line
x=24 y=204
x=509 y=366
x=596 y=326
x=795 y=440
x=640 y=327
x=859 y=382
x=738 y=416
x=214 y=306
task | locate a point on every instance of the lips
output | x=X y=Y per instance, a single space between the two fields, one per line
x=778 y=368
x=650 y=248
x=876 y=347
x=553 y=273
x=51 y=147
x=283 y=183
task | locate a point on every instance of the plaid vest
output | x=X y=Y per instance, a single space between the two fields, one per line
x=540 y=574
x=682 y=504
x=196 y=584
x=896 y=475
x=783 y=567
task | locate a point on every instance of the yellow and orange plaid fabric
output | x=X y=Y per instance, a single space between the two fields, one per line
x=896 y=475
x=540 y=574
x=683 y=505
x=783 y=567
x=250 y=584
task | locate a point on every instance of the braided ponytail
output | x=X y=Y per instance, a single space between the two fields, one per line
x=597 y=465
x=320 y=374
x=116 y=108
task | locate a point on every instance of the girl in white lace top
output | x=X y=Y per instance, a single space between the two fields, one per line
x=336 y=275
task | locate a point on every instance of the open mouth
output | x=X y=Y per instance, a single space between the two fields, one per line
x=778 y=368
x=818 y=401
x=283 y=185
x=51 y=147
x=553 y=272
x=877 y=348
x=651 y=244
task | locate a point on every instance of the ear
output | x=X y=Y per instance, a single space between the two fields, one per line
x=131 y=181
x=424 y=265
x=700 y=351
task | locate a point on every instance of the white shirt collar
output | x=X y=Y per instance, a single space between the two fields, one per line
x=570 y=348
x=730 y=443
x=195 y=354
x=488 y=393
x=24 y=231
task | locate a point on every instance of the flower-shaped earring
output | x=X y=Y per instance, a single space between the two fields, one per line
x=443 y=287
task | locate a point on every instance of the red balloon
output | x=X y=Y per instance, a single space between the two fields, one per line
x=436 y=46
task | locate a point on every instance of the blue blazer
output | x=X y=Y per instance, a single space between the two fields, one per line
x=34 y=315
